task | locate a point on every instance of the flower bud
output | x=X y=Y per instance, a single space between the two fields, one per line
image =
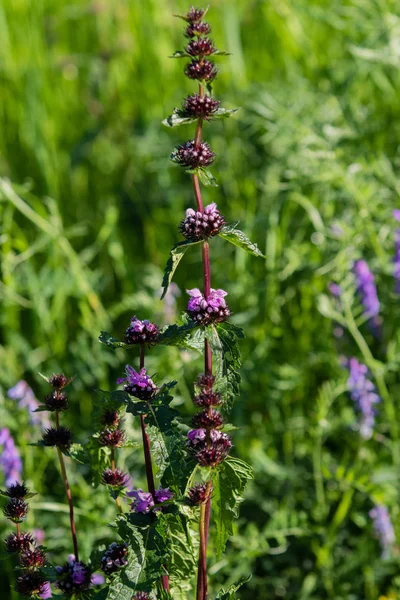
x=114 y=558
x=203 y=70
x=16 y=490
x=199 y=106
x=13 y=543
x=60 y=437
x=141 y=332
x=207 y=398
x=116 y=478
x=113 y=438
x=110 y=418
x=33 y=559
x=200 y=47
x=56 y=401
x=73 y=577
x=193 y=156
x=194 y=15
x=16 y=510
x=209 y=448
x=208 y=419
x=31 y=584
x=195 y=29
x=198 y=494
x=201 y=225
x=59 y=381
x=141 y=596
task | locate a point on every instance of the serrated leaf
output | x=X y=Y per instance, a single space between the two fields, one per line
x=111 y=342
x=229 y=482
x=206 y=177
x=176 y=119
x=79 y=453
x=224 y=113
x=177 y=334
x=175 y=257
x=230 y=593
x=239 y=239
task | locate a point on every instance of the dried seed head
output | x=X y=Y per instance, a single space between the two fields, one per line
x=198 y=494
x=60 y=437
x=201 y=70
x=200 y=47
x=193 y=156
x=17 y=490
x=13 y=543
x=31 y=584
x=15 y=510
x=33 y=559
x=199 y=106
x=116 y=478
x=141 y=332
x=59 y=381
x=200 y=225
x=114 y=558
x=113 y=438
x=199 y=28
x=208 y=418
x=56 y=401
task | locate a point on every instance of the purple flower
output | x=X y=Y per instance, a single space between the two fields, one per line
x=335 y=289
x=114 y=558
x=383 y=528
x=212 y=310
x=74 y=576
x=143 y=501
x=141 y=332
x=163 y=494
x=10 y=460
x=209 y=448
x=139 y=384
x=24 y=393
x=200 y=225
x=363 y=393
x=97 y=579
x=46 y=591
x=366 y=290
x=196 y=436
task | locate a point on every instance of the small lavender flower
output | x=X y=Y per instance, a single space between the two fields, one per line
x=200 y=225
x=366 y=290
x=163 y=494
x=10 y=460
x=139 y=384
x=363 y=393
x=141 y=332
x=114 y=558
x=212 y=310
x=46 y=591
x=27 y=400
x=193 y=156
x=73 y=577
x=143 y=501
x=383 y=528
x=335 y=289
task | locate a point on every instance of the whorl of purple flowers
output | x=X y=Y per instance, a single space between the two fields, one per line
x=366 y=290
x=10 y=460
x=383 y=528
x=363 y=393
x=143 y=502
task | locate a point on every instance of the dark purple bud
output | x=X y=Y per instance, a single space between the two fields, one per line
x=194 y=15
x=200 y=47
x=195 y=29
x=114 y=558
x=209 y=448
x=113 y=438
x=206 y=382
x=110 y=418
x=199 y=106
x=16 y=510
x=202 y=70
x=207 y=398
x=200 y=225
x=59 y=381
x=141 y=332
x=60 y=437
x=116 y=478
x=190 y=155
x=212 y=310
x=33 y=559
x=56 y=401
x=208 y=418
x=73 y=577
x=198 y=494
x=141 y=596
x=140 y=385
x=31 y=584
x=13 y=543
x=16 y=490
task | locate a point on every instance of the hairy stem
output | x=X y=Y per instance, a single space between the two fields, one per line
x=70 y=503
x=113 y=467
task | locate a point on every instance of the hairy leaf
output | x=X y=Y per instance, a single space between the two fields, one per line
x=175 y=257
x=230 y=593
x=239 y=239
x=206 y=177
x=112 y=342
x=179 y=333
x=229 y=482
x=178 y=117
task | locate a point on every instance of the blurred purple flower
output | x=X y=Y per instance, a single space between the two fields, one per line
x=383 y=528
x=46 y=593
x=163 y=494
x=10 y=460
x=366 y=290
x=363 y=393
x=27 y=400
x=335 y=289
x=143 y=501
x=97 y=579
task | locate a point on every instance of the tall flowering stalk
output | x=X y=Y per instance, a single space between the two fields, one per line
x=364 y=395
x=383 y=528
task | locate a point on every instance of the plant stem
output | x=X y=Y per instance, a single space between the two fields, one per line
x=113 y=467
x=148 y=462
x=205 y=511
x=18 y=530
x=71 y=506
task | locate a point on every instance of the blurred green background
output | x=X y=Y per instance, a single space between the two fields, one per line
x=89 y=208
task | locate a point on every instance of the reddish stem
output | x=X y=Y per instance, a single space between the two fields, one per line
x=18 y=530
x=71 y=506
x=113 y=467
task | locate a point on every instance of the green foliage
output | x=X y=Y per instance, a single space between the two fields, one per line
x=178 y=117
x=176 y=254
x=230 y=593
x=238 y=238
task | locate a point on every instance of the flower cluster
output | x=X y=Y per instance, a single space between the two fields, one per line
x=114 y=478
x=141 y=332
x=366 y=290
x=201 y=107
x=114 y=558
x=198 y=494
x=200 y=68
x=201 y=225
x=143 y=502
x=73 y=577
x=140 y=385
x=57 y=401
x=211 y=310
x=383 y=528
x=31 y=582
x=59 y=437
x=363 y=393
x=193 y=155
x=10 y=460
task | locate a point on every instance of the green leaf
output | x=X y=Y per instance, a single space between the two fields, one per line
x=230 y=593
x=180 y=54
x=41 y=408
x=111 y=342
x=177 y=119
x=224 y=113
x=175 y=257
x=229 y=482
x=179 y=333
x=78 y=453
x=238 y=238
x=206 y=177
